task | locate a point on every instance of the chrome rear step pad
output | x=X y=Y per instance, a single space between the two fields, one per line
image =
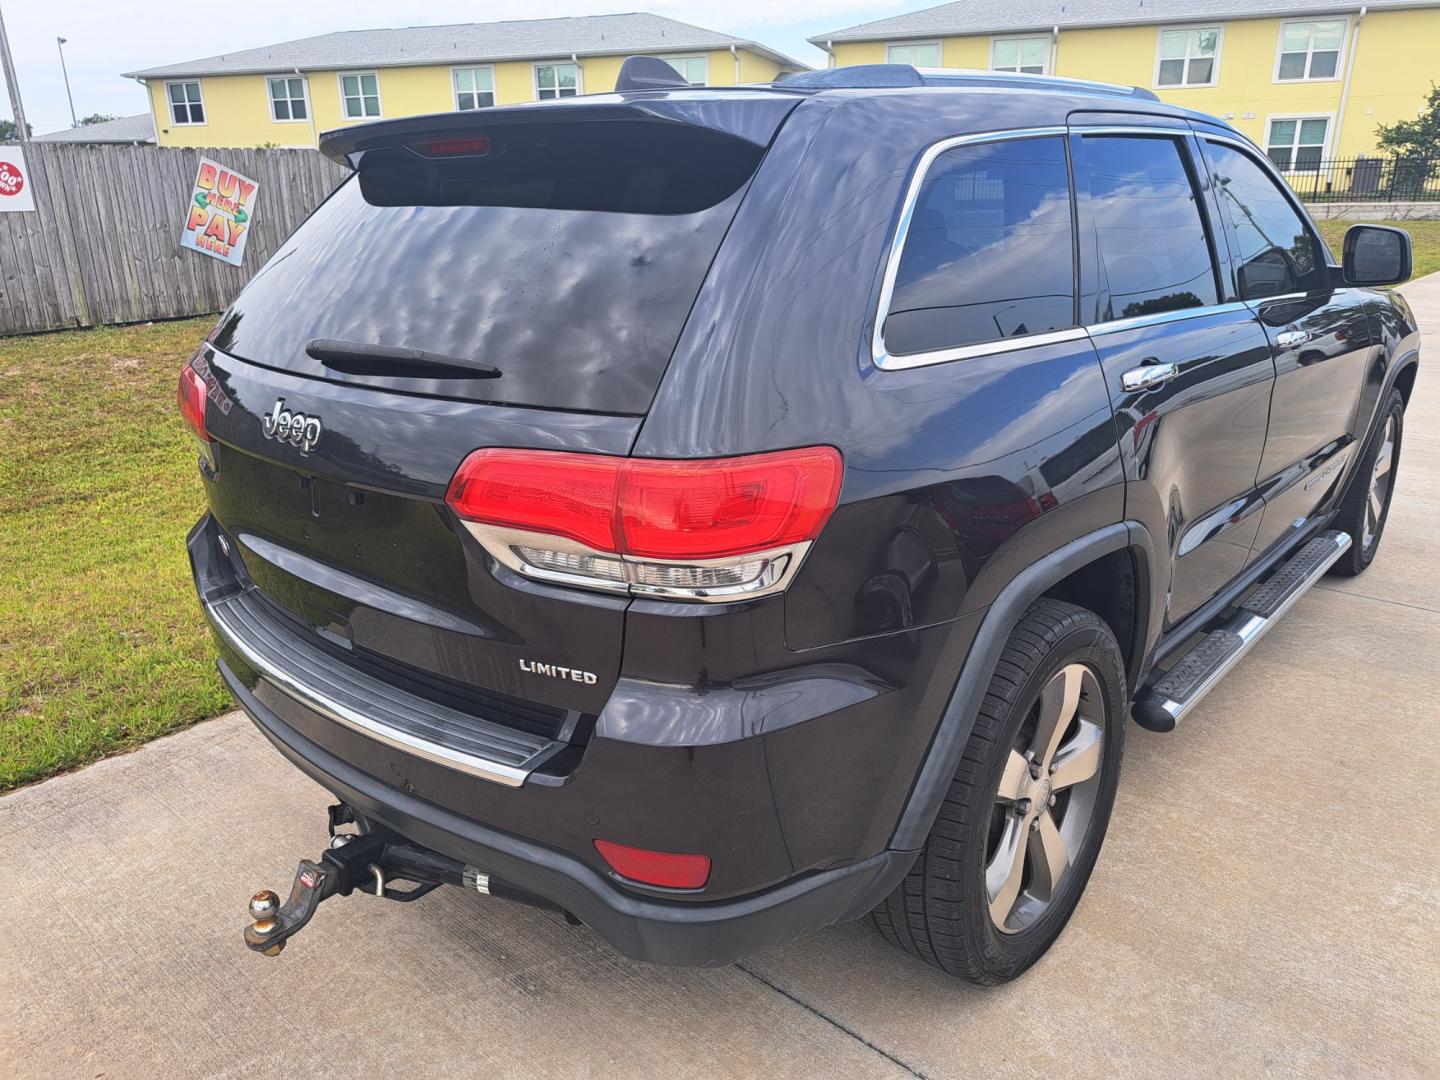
x=388 y=714
x=1161 y=705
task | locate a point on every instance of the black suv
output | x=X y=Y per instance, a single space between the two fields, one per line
x=718 y=513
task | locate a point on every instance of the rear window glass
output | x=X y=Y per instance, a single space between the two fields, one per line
x=989 y=249
x=1152 y=238
x=566 y=255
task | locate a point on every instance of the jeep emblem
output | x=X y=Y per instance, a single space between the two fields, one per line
x=284 y=425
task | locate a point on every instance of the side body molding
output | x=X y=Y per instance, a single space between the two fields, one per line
x=1024 y=589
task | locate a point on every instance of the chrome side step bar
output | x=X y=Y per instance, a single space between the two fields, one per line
x=1160 y=706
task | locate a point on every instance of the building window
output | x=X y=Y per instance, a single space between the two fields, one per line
x=474 y=88
x=923 y=54
x=359 y=95
x=694 y=69
x=1189 y=57
x=186 y=105
x=287 y=98
x=1022 y=55
x=556 y=80
x=1298 y=142
x=1310 y=50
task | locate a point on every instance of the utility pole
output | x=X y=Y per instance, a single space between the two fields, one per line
x=22 y=130
x=60 y=48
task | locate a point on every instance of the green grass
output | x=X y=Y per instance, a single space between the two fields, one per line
x=102 y=645
x=1425 y=235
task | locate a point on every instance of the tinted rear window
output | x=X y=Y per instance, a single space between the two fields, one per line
x=988 y=252
x=566 y=255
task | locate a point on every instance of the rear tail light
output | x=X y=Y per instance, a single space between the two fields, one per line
x=712 y=529
x=191 y=399
x=656 y=867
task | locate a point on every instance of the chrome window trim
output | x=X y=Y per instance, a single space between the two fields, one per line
x=879 y=355
x=1115 y=326
x=1132 y=129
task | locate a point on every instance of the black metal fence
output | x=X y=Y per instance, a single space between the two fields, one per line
x=1364 y=179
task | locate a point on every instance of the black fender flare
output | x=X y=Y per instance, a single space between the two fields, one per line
x=1408 y=359
x=958 y=720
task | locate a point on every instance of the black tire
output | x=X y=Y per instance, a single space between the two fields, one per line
x=941 y=911
x=1354 y=514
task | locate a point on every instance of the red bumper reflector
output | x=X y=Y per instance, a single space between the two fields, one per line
x=656 y=867
x=191 y=398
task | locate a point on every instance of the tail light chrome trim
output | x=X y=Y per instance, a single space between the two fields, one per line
x=633 y=576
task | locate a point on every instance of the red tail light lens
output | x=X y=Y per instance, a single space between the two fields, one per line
x=703 y=529
x=570 y=495
x=656 y=867
x=727 y=506
x=191 y=399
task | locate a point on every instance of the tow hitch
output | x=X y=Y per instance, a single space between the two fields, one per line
x=373 y=862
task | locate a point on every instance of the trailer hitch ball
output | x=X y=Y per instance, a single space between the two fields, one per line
x=264 y=906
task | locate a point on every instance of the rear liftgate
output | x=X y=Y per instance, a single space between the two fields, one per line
x=372 y=863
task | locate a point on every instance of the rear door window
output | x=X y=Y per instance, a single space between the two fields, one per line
x=989 y=250
x=1155 y=251
x=1274 y=250
x=567 y=255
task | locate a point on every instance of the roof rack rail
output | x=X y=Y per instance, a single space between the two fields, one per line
x=878 y=76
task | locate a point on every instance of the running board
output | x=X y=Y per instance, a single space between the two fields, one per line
x=1160 y=705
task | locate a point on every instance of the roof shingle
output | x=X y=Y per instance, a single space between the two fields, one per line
x=1004 y=16
x=590 y=35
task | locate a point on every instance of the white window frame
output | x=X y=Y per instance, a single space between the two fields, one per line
x=304 y=97
x=1189 y=29
x=567 y=62
x=170 y=105
x=1270 y=119
x=345 y=117
x=704 y=58
x=455 y=91
x=939 y=49
x=1046 y=67
x=1339 y=57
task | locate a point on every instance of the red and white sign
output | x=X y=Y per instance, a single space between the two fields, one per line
x=16 y=192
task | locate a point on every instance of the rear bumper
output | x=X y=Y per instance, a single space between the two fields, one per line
x=684 y=933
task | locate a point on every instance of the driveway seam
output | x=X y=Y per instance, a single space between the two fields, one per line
x=833 y=1022
x=1377 y=599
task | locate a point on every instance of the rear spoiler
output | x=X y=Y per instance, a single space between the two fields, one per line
x=750 y=115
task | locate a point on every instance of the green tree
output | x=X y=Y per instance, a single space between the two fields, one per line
x=8 y=131
x=97 y=118
x=1418 y=138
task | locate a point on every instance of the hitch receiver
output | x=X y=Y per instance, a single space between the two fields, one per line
x=377 y=858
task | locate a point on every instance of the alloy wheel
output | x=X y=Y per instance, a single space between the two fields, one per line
x=1046 y=798
x=1381 y=479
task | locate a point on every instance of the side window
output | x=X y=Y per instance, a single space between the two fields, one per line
x=1274 y=251
x=989 y=250
x=1153 y=246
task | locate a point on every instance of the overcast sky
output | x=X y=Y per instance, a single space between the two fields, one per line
x=106 y=37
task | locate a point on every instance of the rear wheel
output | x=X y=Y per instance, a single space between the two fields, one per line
x=1022 y=824
x=1367 y=504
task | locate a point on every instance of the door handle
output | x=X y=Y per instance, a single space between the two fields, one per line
x=1288 y=339
x=1149 y=375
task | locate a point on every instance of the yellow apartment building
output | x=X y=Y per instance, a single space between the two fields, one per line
x=1306 y=79
x=287 y=94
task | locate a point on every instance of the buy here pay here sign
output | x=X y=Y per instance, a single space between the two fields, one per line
x=220 y=213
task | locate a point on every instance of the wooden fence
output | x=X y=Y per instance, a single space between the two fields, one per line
x=103 y=245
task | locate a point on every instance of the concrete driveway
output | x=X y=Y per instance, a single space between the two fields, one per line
x=1266 y=903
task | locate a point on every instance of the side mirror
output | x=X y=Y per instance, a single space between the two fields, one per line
x=1376 y=255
